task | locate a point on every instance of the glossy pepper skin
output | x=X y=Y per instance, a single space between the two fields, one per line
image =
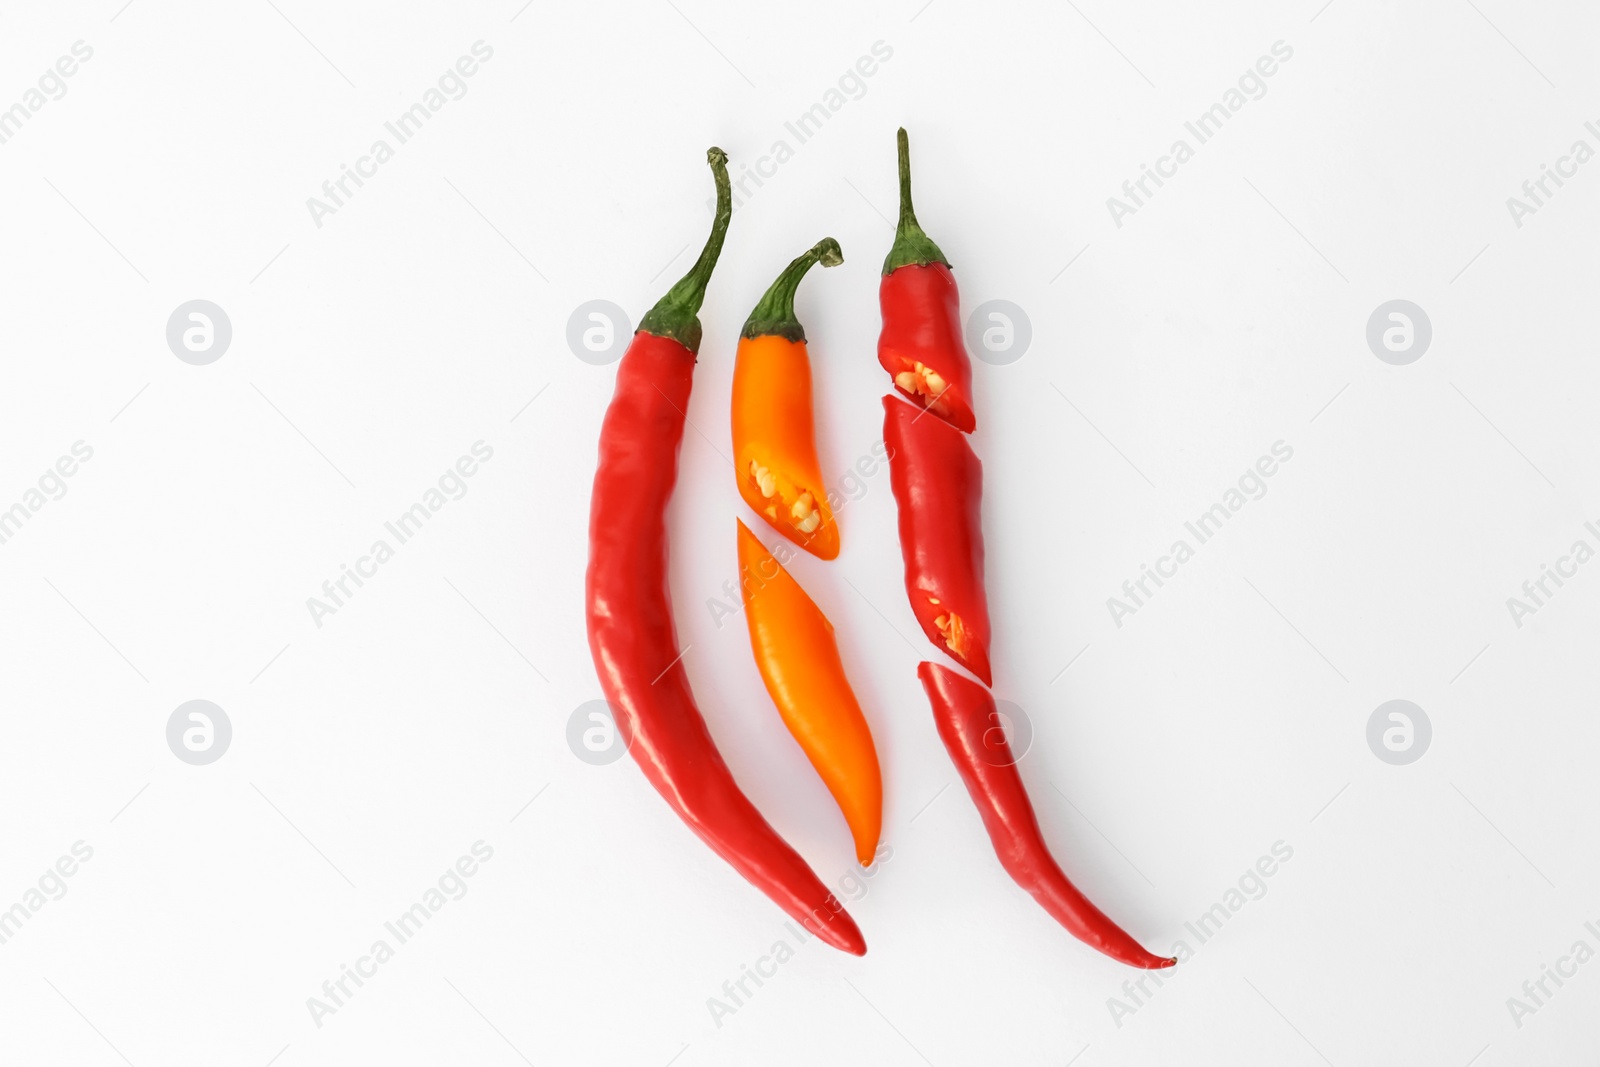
x=921 y=345
x=969 y=726
x=938 y=487
x=795 y=649
x=774 y=436
x=631 y=633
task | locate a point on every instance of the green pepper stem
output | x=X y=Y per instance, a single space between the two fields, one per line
x=775 y=312
x=676 y=314
x=912 y=247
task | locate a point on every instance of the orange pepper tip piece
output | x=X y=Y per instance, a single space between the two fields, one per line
x=866 y=826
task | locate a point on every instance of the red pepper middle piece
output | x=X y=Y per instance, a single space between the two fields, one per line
x=968 y=724
x=921 y=345
x=938 y=486
x=631 y=633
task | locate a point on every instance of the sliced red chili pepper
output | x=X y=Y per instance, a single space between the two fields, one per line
x=921 y=345
x=938 y=485
x=970 y=727
x=631 y=632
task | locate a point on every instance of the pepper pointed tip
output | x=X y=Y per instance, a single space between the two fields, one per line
x=838 y=930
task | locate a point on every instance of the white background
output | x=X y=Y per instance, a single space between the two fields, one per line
x=369 y=353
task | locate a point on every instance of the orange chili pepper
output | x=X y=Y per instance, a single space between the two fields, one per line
x=795 y=649
x=774 y=440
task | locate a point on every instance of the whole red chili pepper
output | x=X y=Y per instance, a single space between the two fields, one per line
x=970 y=727
x=631 y=632
x=920 y=345
x=938 y=486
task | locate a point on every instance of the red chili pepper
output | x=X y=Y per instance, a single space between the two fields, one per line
x=971 y=730
x=631 y=632
x=938 y=485
x=921 y=345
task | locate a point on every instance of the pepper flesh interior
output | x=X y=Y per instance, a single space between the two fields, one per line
x=954 y=631
x=799 y=505
x=925 y=385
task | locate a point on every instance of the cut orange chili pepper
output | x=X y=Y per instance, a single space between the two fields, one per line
x=774 y=440
x=798 y=656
